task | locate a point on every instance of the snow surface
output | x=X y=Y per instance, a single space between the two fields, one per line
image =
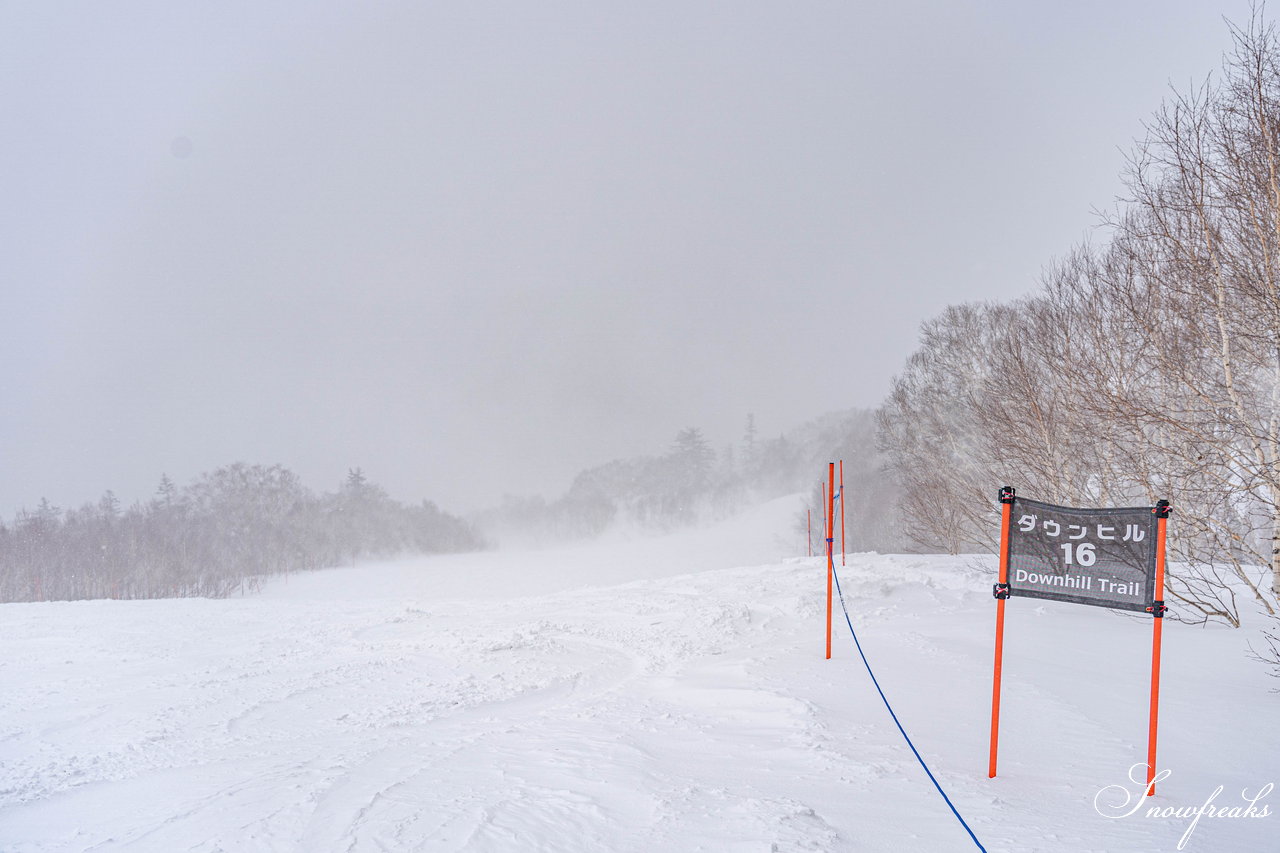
x=632 y=695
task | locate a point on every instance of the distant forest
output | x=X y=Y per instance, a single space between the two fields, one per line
x=694 y=483
x=230 y=529
x=219 y=535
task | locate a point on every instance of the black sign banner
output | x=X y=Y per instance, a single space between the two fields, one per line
x=1102 y=557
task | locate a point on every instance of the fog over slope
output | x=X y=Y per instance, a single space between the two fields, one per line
x=476 y=249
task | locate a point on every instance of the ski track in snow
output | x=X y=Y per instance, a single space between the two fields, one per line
x=680 y=711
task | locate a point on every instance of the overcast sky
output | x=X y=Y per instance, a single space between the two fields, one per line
x=474 y=248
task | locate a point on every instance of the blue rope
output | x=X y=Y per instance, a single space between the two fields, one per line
x=905 y=737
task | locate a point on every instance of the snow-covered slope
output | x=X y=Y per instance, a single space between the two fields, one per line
x=628 y=696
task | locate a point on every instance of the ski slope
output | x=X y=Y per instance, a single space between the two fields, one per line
x=629 y=695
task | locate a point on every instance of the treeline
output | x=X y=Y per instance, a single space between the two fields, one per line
x=694 y=483
x=688 y=484
x=222 y=533
x=1146 y=367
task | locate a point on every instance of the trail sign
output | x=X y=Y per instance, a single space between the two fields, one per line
x=1110 y=557
x=1103 y=557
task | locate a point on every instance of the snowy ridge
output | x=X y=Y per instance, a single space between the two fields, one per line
x=684 y=711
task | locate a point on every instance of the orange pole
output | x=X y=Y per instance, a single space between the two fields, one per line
x=831 y=566
x=1157 y=628
x=1006 y=501
x=842 y=548
x=823 y=487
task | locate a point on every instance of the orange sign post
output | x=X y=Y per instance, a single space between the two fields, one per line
x=831 y=566
x=1109 y=557
x=1157 y=628
x=1006 y=504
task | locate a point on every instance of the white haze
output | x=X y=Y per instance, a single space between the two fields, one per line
x=476 y=248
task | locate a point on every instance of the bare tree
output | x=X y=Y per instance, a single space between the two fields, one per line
x=1147 y=368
